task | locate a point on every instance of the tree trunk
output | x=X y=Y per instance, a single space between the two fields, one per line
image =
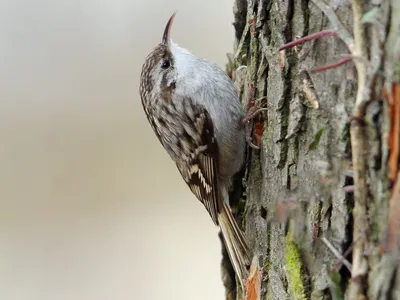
x=321 y=193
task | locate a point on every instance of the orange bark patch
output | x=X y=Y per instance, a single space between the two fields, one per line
x=253 y=283
x=393 y=99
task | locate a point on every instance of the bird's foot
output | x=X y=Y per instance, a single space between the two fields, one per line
x=251 y=114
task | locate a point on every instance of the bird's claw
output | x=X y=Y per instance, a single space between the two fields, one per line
x=250 y=115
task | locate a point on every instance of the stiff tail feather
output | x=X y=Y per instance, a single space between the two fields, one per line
x=235 y=243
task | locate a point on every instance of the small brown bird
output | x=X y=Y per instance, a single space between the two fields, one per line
x=194 y=110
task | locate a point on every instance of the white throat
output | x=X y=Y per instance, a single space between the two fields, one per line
x=187 y=73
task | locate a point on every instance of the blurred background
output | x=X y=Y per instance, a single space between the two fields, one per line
x=90 y=205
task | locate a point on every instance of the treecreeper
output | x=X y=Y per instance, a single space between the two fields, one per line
x=195 y=112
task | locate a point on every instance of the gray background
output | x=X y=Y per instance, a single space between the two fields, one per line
x=91 y=206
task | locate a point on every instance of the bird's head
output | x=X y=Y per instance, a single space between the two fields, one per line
x=164 y=65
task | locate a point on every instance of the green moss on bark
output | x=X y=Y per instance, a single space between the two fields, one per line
x=294 y=268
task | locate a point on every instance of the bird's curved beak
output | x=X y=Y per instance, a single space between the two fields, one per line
x=166 y=36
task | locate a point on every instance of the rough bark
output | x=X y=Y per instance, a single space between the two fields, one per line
x=319 y=189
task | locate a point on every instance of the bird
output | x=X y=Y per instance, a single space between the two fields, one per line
x=195 y=112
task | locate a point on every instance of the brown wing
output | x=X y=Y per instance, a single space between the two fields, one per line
x=200 y=169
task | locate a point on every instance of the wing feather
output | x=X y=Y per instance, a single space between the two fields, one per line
x=200 y=169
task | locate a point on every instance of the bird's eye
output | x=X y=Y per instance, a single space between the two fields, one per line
x=166 y=64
